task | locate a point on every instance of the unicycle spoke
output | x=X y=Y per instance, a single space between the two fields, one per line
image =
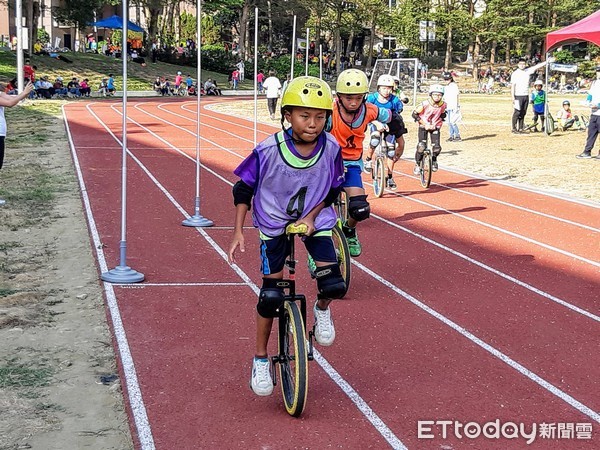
x=293 y=359
x=343 y=254
x=425 y=166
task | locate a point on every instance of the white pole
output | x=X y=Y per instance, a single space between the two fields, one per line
x=321 y=61
x=197 y=220
x=255 y=72
x=124 y=124
x=123 y=273
x=306 y=49
x=293 y=48
x=19 y=22
x=546 y=96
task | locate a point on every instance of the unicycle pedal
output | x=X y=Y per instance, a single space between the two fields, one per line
x=310 y=355
x=274 y=361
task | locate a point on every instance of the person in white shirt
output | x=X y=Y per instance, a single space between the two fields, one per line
x=593 y=101
x=519 y=90
x=453 y=114
x=8 y=101
x=272 y=87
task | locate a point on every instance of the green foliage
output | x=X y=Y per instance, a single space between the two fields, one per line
x=282 y=66
x=78 y=13
x=216 y=59
x=210 y=32
x=43 y=36
x=564 y=56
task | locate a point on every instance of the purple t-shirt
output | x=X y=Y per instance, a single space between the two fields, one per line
x=287 y=185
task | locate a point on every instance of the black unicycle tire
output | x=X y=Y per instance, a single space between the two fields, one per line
x=293 y=369
x=341 y=207
x=343 y=254
x=379 y=176
x=425 y=166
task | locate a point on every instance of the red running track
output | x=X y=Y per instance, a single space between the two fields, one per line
x=473 y=301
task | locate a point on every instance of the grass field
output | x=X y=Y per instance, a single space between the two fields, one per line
x=94 y=67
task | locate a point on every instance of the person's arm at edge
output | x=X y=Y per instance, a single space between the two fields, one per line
x=12 y=100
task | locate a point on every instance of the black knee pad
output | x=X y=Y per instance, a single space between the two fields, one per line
x=421 y=147
x=359 y=208
x=330 y=282
x=270 y=299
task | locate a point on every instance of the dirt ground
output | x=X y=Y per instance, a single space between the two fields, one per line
x=57 y=364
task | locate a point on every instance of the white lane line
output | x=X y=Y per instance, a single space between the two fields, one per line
x=454 y=252
x=145 y=285
x=503 y=231
x=463 y=191
x=492 y=270
x=362 y=406
x=503 y=203
x=136 y=401
x=495 y=352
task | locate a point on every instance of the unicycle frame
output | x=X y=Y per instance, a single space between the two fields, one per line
x=380 y=168
x=426 y=163
x=304 y=340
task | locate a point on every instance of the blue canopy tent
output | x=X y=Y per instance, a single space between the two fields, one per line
x=116 y=22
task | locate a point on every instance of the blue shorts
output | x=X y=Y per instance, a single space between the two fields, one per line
x=274 y=251
x=353 y=176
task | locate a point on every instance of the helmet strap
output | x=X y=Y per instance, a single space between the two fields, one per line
x=354 y=113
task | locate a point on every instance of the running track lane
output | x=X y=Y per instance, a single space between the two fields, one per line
x=426 y=363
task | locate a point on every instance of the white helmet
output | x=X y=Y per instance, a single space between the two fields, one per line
x=436 y=88
x=385 y=80
x=538 y=81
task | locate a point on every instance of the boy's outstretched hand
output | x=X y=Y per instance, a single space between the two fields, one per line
x=238 y=241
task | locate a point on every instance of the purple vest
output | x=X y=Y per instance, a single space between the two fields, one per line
x=287 y=186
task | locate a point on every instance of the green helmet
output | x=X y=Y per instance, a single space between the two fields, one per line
x=352 y=81
x=309 y=92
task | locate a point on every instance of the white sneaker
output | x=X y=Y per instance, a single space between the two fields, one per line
x=261 y=381
x=368 y=165
x=324 y=329
x=434 y=166
x=416 y=170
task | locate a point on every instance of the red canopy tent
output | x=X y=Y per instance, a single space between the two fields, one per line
x=587 y=29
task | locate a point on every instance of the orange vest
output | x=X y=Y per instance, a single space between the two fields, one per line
x=351 y=138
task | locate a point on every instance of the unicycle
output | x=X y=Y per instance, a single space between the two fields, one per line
x=340 y=244
x=293 y=350
x=425 y=168
x=379 y=172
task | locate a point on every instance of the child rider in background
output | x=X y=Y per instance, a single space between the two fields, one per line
x=384 y=98
x=351 y=115
x=430 y=115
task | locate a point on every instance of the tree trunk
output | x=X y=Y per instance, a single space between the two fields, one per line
x=493 y=51
x=476 y=57
x=349 y=44
x=270 y=26
x=371 y=43
x=153 y=23
x=507 y=52
x=243 y=30
x=177 y=13
x=337 y=40
x=529 y=43
x=448 y=58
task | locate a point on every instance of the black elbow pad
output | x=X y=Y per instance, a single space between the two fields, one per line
x=242 y=193
x=332 y=195
x=444 y=115
x=415 y=115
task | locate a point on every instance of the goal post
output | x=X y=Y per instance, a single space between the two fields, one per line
x=406 y=69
